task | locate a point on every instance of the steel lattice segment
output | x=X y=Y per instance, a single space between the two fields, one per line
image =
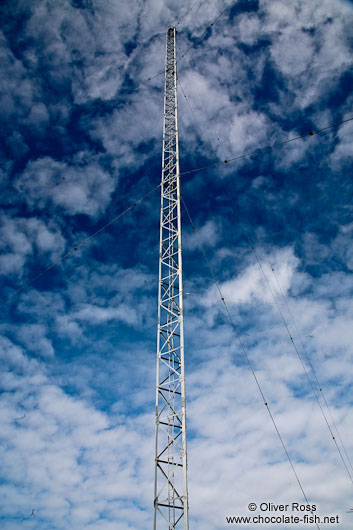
x=171 y=494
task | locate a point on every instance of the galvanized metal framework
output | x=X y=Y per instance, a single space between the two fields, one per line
x=171 y=492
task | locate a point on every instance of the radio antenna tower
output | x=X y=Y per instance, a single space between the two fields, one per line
x=171 y=486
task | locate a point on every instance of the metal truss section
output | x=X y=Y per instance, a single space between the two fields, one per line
x=171 y=494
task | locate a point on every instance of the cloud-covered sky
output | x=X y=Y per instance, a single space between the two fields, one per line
x=81 y=135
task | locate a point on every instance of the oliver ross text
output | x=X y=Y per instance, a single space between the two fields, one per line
x=293 y=507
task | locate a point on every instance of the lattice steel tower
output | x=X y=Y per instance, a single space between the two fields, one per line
x=171 y=488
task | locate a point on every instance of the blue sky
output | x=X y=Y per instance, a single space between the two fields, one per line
x=81 y=137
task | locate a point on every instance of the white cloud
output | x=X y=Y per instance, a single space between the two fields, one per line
x=237 y=435
x=33 y=336
x=21 y=236
x=342 y=154
x=255 y=282
x=12 y=355
x=98 y=315
x=67 y=327
x=15 y=81
x=247 y=131
x=65 y=454
x=208 y=235
x=311 y=49
x=249 y=28
x=80 y=187
x=292 y=55
x=128 y=127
